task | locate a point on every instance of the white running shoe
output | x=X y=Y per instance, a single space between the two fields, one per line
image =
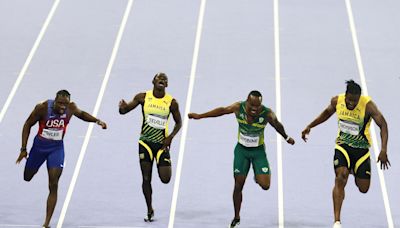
x=337 y=224
x=149 y=217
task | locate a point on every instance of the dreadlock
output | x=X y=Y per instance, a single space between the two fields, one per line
x=352 y=87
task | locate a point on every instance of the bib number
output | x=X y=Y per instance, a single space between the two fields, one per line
x=157 y=122
x=249 y=141
x=52 y=134
x=349 y=128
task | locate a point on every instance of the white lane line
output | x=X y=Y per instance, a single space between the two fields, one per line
x=278 y=113
x=185 y=118
x=95 y=112
x=28 y=60
x=18 y=225
x=373 y=131
x=111 y=226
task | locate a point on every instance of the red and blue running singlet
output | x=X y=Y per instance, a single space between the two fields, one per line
x=54 y=126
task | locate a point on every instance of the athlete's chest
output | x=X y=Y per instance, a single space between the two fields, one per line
x=251 y=122
x=156 y=106
x=356 y=115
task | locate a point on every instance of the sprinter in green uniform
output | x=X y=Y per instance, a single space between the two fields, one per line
x=154 y=141
x=252 y=118
x=354 y=112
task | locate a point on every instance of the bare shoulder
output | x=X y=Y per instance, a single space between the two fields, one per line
x=234 y=108
x=39 y=112
x=41 y=107
x=73 y=109
x=236 y=105
x=72 y=106
x=371 y=107
x=334 y=100
x=174 y=104
x=271 y=115
x=140 y=97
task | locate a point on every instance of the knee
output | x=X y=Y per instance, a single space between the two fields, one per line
x=341 y=179
x=265 y=186
x=165 y=180
x=238 y=187
x=28 y=174
x=146 y=179
x=27 y=178
x=363 y=190
x=53 y=186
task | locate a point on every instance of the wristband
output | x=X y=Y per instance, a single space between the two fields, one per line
x=287 y=138
x=22 y=149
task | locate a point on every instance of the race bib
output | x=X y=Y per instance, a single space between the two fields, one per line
x=52 y=134
x=349 y=128
x=249 y=141
x=157 y=122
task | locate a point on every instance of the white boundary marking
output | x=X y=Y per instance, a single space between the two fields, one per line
x=278 y=113
x=373 y=131
x=18 y=225
x=111 y=226
x=28 y=60
x=95 y=112
x=25 y=225
x=187 y=110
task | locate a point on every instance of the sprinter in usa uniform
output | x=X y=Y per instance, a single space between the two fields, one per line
x=53 y=117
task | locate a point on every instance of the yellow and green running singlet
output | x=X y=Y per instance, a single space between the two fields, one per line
x=251 y=134
x=353 y=124
x=155 y=117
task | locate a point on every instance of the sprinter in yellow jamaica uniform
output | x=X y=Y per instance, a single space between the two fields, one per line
x=352 y=156
x=154 y=141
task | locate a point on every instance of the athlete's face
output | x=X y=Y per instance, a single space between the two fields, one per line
x=160 y=81
x=351 y=100
x=60 y=104
x=253 y=105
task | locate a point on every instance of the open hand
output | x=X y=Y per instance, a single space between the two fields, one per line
x=384 y=160
x=22 y=155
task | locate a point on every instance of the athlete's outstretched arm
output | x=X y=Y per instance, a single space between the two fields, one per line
x=324 y=116
x=373 y=110
x=127 y=107
x=216 y=112
x=176 y=114
x=279 y=127
x=85 y=116
x=33 y=118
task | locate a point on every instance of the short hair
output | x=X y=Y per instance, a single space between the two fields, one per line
x=63 y=93
x=255 y=93
x=160 y=74
x=353 y=88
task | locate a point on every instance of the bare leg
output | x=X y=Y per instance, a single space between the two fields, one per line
x=237 y=194
x=363 y=184
x=164 y=172
x=146 y=168
x=29 y=173
x=342 y=174
x=263 y=180
x=54 y=176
